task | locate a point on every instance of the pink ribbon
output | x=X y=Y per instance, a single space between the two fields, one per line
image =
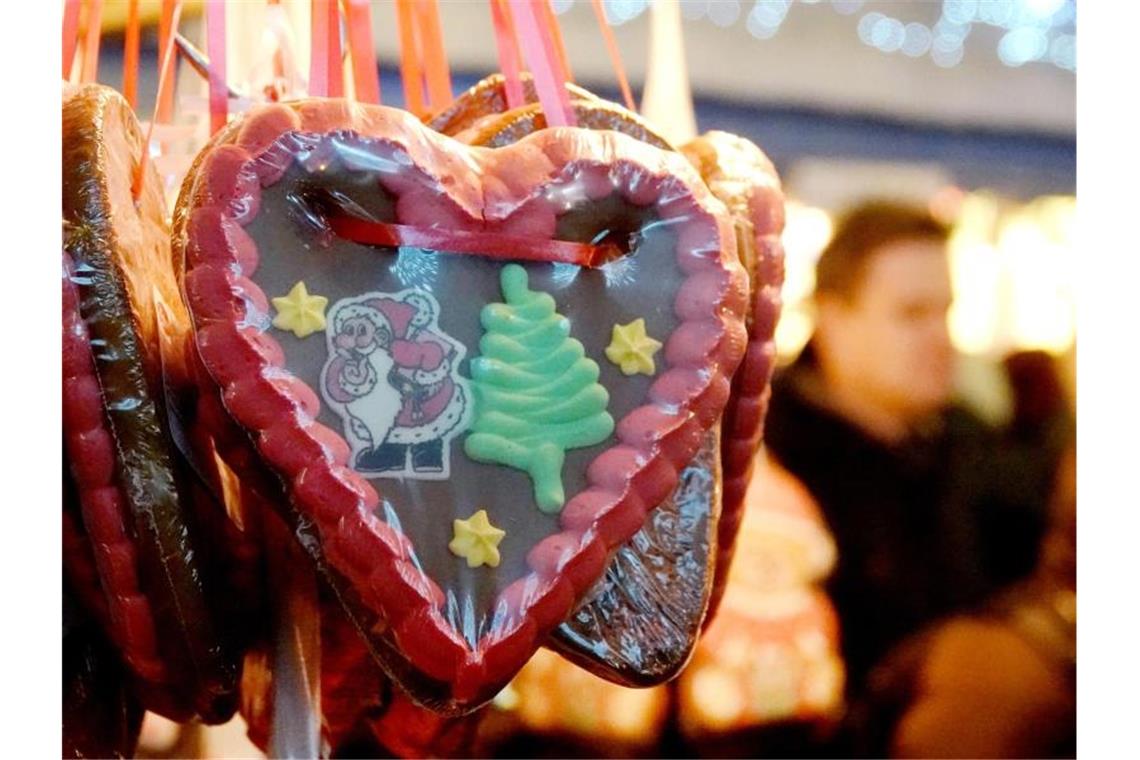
x=365 y=77
x=90 y=71
x=165 y=90
x=70 y=35
x=542 y=56
x=508 y=47
x=326 y=75
x=216 y=50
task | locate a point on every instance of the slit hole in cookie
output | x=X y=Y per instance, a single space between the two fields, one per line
x=613 y=224
x=313 y=208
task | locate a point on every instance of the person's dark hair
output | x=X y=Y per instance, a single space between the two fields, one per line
x=864 y=230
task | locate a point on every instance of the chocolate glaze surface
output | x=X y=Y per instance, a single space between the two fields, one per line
x=119 y=249
x=295 y=247
x=639 y=624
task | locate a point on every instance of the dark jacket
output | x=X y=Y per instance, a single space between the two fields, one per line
x=905 y=517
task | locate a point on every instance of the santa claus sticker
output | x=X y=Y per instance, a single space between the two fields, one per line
x=392 y=375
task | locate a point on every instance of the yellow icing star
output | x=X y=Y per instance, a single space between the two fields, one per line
x=633 y=350
x=300 y=312
x=477 y=540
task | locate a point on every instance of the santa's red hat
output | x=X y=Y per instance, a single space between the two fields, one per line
x=381 y=312
x=398 y=314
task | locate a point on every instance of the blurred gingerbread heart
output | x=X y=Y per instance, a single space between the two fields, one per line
x=143 y=543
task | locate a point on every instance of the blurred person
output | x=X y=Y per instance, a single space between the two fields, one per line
x=1042 y=424
x=999 y=682
x=864 y=419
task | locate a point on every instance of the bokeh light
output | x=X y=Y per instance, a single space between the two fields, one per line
x=1035 y=30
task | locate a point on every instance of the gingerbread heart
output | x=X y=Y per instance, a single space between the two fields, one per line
x=639 y=624
x=739 y=174
x=136 y=549
x=468 y=410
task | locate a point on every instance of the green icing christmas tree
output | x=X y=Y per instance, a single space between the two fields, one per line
x=536 y=393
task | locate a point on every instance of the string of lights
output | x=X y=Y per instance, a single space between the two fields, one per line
x=1029 y=31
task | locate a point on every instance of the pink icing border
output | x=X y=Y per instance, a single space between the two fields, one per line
x=92 y=456
x=474 y=189
x=744 y=416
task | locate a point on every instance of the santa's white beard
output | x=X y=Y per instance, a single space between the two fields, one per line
x=378 y=410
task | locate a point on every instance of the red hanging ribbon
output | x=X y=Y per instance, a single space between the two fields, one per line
x=433 y=54
x=365 y=76
x=216 y=50
x=554 y=32
x=165 y=92
x=70 y=35
x=539 y=49
x=411 y=73
x=521 y=248
x=510 y=59
x=167 y=27
x=326 y=72
x=131 y=55
x=615 y=54
x=94 y=23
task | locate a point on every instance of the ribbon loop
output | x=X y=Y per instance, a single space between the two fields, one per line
x=368 y=232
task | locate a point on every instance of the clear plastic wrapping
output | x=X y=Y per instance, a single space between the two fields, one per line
x=464 y=432
x=639 y=624
x=124 y=331
x=101 y=714
x=636 y=632
x=739 y=174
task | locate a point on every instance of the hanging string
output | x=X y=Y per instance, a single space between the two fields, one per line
x=326 y=70
x=90 y=71
x=433 y=54
x=165 y=89
x=510 y=59
x=131 y=55
x=550 y=24
x=411 y=73
x=615 y=54
x=278 y=58
x=164 y=111
x=365 y=75
x=540 y=54
x=70 y=35
x=216 y=50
